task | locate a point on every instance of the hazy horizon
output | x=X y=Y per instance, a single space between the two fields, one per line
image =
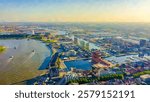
x=75 y=11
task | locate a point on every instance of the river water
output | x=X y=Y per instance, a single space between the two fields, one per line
x=21 y=60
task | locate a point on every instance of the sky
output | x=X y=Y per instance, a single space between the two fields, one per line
x=74 y=10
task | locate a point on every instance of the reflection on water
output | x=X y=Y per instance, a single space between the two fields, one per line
x=21 y=60
x=79 y=64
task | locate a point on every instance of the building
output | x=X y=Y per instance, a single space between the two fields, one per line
x=82 y=44
x=145 y=78
x=54 y=60
x=33 y=32
x=53 y=72
x=71 y=53
x=97 y=59
x=142 y=42
x=75 y=40
x=98 y=62
x=87 y=46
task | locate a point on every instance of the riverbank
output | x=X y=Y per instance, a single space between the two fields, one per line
x=45 y=64
x=2 y=48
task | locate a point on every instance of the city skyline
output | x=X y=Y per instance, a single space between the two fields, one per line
x=74 y=11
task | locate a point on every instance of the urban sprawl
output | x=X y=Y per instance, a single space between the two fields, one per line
x=84 y=55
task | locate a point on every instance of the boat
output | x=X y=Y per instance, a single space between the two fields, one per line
x=11 y=57
x=15 y=47
x=33 y=50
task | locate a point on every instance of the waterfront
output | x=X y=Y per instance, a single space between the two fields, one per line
x=22 y=60
x=79 y=64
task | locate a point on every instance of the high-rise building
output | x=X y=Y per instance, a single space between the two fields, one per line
x=75 y=40
x=82 y=44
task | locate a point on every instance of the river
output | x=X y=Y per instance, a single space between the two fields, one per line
x=22 y=60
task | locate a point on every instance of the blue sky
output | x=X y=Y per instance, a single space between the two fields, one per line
x=75 y=10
